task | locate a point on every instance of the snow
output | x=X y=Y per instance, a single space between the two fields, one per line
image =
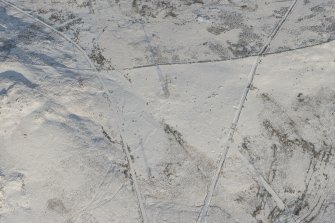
x=115 y=111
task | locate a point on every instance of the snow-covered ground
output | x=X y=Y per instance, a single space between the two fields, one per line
x=121 y=111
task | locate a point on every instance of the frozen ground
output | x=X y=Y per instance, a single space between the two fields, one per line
x=128 y=121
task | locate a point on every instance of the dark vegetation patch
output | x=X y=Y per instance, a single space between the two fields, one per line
x=102 y=63
x=287 y=135
x=176 y=135
x=216 y=30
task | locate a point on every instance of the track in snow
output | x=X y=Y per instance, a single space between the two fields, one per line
x=218 y=61
x=161 y=76
x=212 y=187
x=123 y=144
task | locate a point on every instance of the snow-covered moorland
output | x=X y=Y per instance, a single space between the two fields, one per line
x=167 y=111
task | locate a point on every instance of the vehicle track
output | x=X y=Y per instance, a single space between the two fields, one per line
x=229 y=143
x=109 y=97
x=162 y=78
x=218 y=60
